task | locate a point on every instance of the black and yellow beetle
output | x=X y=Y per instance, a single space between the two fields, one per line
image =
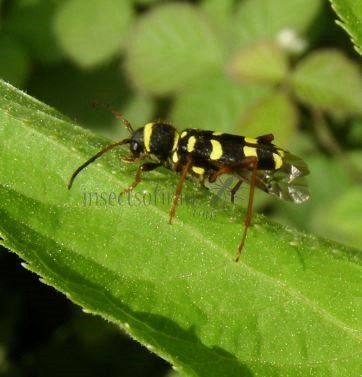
x=208 y=155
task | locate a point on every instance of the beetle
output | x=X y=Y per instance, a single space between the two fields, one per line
x=208 y=155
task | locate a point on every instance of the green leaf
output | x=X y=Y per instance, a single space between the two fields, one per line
x=14 y=63
x=289 y=308
x=328 y=80
x=1 y=10
x=146 y=2
x=172 y=47
x=350 y=13
x=32 y=23
x=218 y=104
x=274 y=114
x=354 y=136
x=342 y=219
x=256 y=20
x=264 y=62
x=90 y=31
x=73 y=91
x=220 y=13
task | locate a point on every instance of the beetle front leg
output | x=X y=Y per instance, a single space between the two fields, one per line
x=147 y=166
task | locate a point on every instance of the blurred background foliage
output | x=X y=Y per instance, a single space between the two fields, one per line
x=248 y=67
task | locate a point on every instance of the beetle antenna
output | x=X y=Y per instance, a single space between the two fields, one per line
x=95 y=157
x=117 y=114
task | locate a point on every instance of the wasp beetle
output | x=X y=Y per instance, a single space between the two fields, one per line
x=208 y=155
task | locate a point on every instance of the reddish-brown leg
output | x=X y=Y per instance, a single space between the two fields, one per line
x=147 y=166
x=265 y=139
x=253 y=163
x=185 y=171
x=247 y=163
x=131 y=159
x=223 y=170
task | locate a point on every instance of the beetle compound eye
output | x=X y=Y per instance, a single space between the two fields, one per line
x=135 y=148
